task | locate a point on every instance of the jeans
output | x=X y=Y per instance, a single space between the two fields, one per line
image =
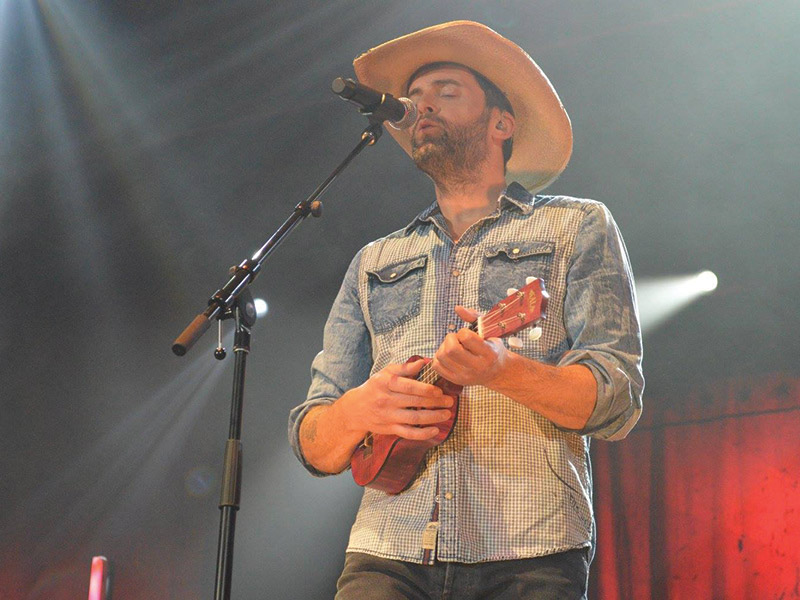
x=562 y=576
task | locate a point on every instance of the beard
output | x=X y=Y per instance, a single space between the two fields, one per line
x=452 y=156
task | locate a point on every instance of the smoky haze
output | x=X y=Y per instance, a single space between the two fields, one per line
x=146 y=147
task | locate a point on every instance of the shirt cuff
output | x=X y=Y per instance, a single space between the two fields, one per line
x=619 y=396
x=296 y=417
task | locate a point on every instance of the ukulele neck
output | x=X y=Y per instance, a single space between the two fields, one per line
x=427 y=374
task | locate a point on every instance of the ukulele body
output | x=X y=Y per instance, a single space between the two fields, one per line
x=390 y=463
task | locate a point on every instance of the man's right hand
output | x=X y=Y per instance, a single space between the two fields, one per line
x=393 y=402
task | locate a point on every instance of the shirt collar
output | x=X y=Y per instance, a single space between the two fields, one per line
x=514 y=196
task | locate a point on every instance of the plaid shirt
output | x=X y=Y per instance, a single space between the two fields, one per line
x=511 y=484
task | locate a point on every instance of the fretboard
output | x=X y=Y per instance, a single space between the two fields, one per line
x=427 y=374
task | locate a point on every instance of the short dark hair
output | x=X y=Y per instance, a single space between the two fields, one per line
x=495 y=98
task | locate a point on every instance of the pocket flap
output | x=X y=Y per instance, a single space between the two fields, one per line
x=396 y=271
x=515 y=250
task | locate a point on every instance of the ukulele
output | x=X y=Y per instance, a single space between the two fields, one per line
x=390 y=463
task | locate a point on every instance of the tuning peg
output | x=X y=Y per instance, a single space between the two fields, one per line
x=515 y=343
x=535 y=333
x=510 y=291
x=529 y=280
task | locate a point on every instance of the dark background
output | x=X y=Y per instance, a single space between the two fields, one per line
x=146 y=147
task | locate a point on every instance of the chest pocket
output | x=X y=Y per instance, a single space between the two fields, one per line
x=507 y=265
x=395 y=291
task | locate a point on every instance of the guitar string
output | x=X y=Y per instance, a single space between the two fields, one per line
x=427 y=374
x=490 y=319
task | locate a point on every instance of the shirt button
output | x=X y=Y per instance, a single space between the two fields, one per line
x=393 y=275
x=515 y=251
x=451 y=327
x=456 y=272
x=448 y=496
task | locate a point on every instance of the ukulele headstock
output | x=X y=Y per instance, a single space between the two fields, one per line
x=521 y=308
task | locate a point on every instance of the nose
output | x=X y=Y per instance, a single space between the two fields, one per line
x=426 y=104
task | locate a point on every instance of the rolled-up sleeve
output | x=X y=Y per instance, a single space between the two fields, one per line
x=602 y=324
x=344 y=362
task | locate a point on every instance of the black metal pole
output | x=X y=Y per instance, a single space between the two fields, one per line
x=232 y=470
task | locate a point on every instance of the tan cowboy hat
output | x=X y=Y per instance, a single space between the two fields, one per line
x=543 y=137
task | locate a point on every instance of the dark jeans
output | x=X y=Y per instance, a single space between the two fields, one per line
x=561 y=576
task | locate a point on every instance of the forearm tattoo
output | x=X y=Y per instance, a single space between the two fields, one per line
x=310 y=429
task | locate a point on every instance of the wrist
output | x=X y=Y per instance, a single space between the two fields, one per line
x=344 y=416
x=502 y=366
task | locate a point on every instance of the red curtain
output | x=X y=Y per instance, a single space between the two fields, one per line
x=702 y=500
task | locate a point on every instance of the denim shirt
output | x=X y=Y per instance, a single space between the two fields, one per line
x=508 y=482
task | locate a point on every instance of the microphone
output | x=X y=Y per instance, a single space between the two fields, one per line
x=400 y=113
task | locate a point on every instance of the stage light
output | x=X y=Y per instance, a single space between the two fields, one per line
x=661 y=298
x=706 y=281
x=262 y=308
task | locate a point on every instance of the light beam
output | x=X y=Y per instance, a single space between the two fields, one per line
x=662 y=297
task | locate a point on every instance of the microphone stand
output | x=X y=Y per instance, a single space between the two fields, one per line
x=234 y=300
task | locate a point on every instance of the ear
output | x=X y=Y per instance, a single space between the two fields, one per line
x=504 y=124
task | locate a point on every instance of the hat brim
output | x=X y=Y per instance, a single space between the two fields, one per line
x=543 y=135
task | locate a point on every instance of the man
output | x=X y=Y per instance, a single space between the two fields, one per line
x=502 y=508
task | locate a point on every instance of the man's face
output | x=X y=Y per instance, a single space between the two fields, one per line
x=450 y=136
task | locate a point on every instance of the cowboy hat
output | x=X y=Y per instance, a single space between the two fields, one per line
x=543 y=136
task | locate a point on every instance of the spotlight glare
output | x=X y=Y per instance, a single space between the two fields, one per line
x=261 y=307
x=660 y=298
x=706 y=281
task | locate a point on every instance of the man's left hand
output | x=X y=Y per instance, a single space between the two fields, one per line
x=465 y=358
